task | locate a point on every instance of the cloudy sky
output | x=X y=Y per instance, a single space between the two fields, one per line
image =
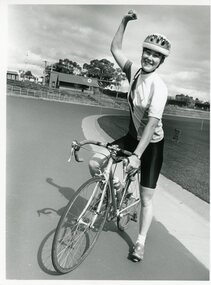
x=84 y=32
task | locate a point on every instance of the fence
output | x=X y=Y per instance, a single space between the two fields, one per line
x=97 y=99
x=71 y=96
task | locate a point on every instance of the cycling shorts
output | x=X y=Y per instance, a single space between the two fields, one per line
x=151 y=159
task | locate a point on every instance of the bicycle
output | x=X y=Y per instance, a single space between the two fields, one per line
x=93 y=204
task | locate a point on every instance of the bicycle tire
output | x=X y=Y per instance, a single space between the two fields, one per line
x=124 y=220
x=80 y=239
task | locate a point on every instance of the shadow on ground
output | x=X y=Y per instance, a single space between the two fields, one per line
x=165 y=257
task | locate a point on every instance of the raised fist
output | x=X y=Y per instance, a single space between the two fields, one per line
x=131 y=15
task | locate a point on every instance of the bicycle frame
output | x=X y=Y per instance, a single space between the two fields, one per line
x=107 y=175
x=113 y=196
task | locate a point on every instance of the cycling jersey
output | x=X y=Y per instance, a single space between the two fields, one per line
x=147 y=97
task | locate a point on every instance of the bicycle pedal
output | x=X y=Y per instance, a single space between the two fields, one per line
x=134 y=218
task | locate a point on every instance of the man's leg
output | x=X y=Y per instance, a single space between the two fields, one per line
x=145 y=221
x=98 y=162
x=146 y=212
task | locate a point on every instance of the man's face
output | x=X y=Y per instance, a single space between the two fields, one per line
x=150 y=60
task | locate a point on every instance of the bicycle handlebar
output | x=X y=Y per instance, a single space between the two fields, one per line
x=77 y=145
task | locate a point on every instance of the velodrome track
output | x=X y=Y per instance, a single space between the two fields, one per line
x=39 y=184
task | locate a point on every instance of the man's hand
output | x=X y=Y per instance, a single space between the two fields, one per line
x=133 y=165
x=131 y=15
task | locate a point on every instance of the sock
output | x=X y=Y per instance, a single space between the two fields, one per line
x=141 y=239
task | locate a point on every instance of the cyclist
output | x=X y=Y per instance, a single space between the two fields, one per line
x=147 y=97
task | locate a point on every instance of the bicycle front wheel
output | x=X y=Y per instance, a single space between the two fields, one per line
x=76 y=232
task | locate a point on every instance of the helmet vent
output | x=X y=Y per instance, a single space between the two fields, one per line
x=158 y=43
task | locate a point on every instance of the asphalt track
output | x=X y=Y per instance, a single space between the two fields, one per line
x=39 y=184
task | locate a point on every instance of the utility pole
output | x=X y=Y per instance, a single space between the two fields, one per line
x=25 y=64
x=45 y=61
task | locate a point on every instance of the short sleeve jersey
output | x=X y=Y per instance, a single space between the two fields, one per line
x=147 y=97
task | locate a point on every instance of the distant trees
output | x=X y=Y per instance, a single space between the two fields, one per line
x=182 y=100
x=119 y=76
x=202 y=105
x=188 y=101
x=26 y=75
x=63 y=66
x=102 y=69
x=185 y=100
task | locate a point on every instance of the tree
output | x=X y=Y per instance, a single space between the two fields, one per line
x=47 y=72
x=28 y=73
x=22 y=73
x=197 y=100
x=72 y=65
x=119 y=76
x=64 y=66
x=102 y=69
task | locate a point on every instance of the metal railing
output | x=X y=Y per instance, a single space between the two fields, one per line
x=74 y=96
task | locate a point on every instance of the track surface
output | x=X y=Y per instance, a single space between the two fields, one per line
x=39 y=184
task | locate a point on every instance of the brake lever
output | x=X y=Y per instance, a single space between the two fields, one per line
x=71 y=154
x=74 y=151
x=77 y=158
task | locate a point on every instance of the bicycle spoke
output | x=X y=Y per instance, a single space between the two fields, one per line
x=75 y=234
x=68 y=254
x=68 y=247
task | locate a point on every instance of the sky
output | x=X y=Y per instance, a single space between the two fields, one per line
x=82 y=33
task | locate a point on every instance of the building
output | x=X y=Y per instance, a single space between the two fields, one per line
x=71 y=81
x=14 y=75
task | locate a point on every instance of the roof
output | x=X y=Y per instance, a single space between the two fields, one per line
x=12 y=72
x=71 y=78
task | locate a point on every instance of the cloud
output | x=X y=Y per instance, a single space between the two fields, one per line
x=195 y=93
x=186 y=75
x=190 y=88
x=84 y=32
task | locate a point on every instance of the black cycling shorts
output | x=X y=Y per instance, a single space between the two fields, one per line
x=151 y=159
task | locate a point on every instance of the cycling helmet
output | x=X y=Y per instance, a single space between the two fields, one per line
x=157 y=43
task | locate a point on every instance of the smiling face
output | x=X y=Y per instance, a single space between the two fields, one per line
x=150 y=60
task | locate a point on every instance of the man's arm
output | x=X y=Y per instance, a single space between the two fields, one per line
x=143 y=143
x=146 y=136
x=116 y=45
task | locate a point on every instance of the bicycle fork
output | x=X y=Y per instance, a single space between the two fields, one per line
x=97 y=211
x=105 y=177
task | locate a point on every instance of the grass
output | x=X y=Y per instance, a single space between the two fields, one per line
x=186 y=162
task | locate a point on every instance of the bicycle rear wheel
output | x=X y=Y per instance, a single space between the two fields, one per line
x=129 y=214
x=75 y=237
